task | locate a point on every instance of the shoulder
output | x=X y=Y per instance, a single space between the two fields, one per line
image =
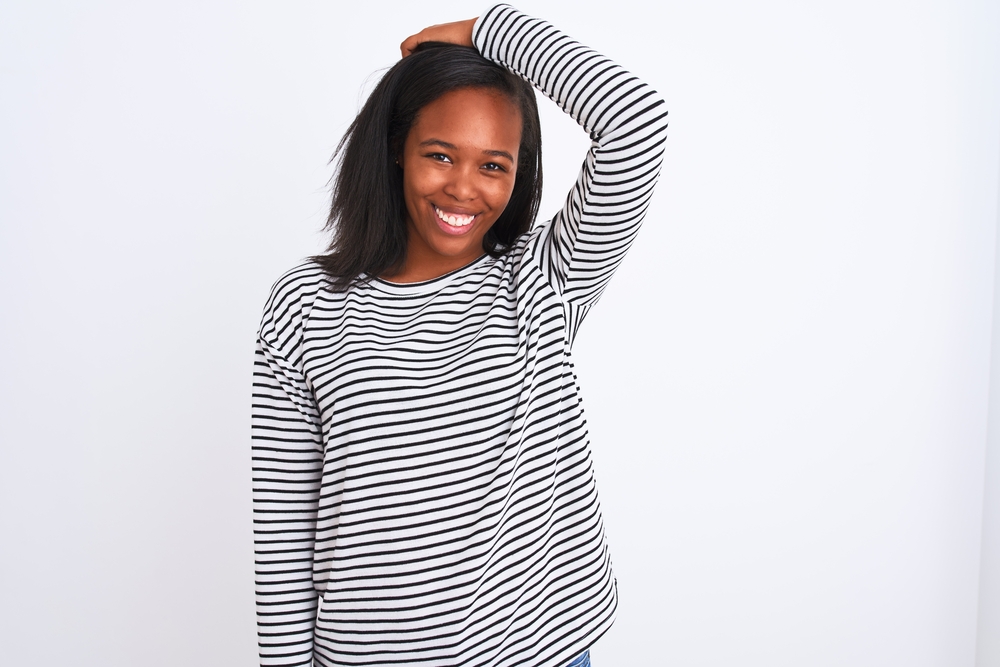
x=527 y=244
x=524 y=260
x=291 y=300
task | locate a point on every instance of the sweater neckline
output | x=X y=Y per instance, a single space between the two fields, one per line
x=427 y=286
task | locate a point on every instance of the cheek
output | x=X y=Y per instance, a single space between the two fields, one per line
x=411 y=191
x=419 y=183
x=500 y=193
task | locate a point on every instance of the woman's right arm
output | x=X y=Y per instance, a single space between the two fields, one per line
x=287 y=467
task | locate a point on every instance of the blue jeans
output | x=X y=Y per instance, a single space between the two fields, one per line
x=582 y=661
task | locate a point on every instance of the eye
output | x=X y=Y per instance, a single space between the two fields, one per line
x=493 y=166
x=439 y=157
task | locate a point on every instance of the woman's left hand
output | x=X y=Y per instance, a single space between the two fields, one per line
x=459 y=32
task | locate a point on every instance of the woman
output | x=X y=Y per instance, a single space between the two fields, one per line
x=423 y=490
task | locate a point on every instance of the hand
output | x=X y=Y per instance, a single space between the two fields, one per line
x=459 y=32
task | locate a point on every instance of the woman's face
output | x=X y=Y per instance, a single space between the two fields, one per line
x=459 y=162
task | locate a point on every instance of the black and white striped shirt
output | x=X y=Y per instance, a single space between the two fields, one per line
x=423 y=490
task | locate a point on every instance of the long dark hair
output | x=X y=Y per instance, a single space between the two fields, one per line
x=368 y=213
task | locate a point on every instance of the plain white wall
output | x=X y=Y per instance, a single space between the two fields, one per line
x=988 y=635
x=786 y=383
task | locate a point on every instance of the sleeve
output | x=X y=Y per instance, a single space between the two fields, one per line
x=287 y=468
x=581 y=247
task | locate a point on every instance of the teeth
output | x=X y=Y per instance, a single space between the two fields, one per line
x=455 y=220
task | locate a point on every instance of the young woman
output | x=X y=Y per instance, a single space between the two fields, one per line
x=423 y=491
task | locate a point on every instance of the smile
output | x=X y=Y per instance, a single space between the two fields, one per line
x=454 y=219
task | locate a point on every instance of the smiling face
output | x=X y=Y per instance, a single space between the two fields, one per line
x=459 y=162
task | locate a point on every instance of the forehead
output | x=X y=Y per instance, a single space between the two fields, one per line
x=481 y=118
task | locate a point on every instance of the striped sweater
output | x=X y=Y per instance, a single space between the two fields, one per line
x=422 y=482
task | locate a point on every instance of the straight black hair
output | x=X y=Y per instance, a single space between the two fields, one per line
x=368 y=212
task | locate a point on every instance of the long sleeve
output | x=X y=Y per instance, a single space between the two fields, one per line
x=287 y=467
x=626 y=120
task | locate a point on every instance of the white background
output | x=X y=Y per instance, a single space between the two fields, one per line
x=787 y=382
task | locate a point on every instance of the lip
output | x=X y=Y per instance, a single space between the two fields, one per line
x=450 y=230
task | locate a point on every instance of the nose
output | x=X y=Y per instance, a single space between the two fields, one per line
x=461 y=184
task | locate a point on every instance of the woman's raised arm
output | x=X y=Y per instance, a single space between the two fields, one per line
x=626 y=120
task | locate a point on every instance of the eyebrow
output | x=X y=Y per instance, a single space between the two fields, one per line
x=445 y=144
